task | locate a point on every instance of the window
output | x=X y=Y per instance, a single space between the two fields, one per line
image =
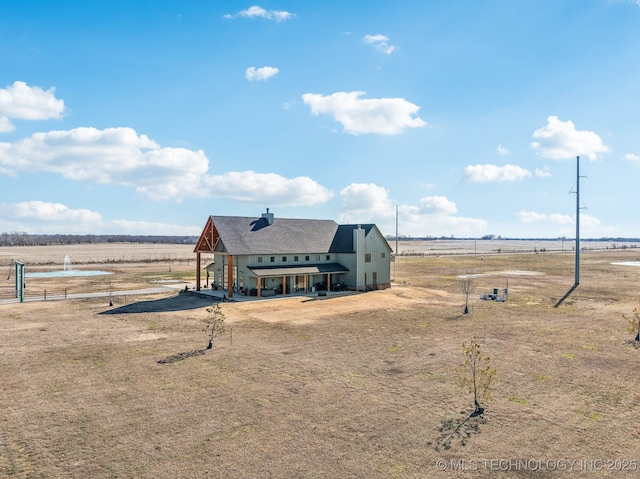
x=375 y=277
x=367 y=257
x=284 y=259
x=328 y=257
x=273 y=259
x=306 y=258
x=259 y=259
x=295 y=258
x=317 y=257
x=384 y=255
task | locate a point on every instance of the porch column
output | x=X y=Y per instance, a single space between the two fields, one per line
x=198 y=271
x=284 y=285
x=230 y=277
x=306 y=283
x=328 y=282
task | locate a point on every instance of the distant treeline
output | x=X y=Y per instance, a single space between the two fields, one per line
x=502 y=238
x=26 y=239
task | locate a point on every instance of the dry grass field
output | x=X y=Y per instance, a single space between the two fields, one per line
x=353 y=386
x=96 y=254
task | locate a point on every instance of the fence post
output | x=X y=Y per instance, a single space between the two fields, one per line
x=45 y=294
x=19 y=281
x=65 y=293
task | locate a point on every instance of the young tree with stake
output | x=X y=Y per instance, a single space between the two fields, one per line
x=214 y=324
x=477 y=375
x=467 y=287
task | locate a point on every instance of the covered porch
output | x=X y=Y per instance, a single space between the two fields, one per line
x=282 y=280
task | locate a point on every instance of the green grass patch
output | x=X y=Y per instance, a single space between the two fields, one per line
x=593 y=415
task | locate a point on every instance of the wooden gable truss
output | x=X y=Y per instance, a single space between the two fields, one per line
x=209 y=239
x=207 y=243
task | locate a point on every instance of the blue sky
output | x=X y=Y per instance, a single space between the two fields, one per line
x=145 y=117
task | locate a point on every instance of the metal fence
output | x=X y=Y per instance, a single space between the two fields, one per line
x=11 y=296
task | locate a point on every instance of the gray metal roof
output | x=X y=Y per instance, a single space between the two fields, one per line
x=243 y=235
x=323 y=268
x=343 y=239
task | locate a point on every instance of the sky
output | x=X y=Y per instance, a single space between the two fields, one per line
x=458 y=118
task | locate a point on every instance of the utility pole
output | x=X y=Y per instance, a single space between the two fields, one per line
x=577 y=280
x=396 y=258
x=577 y=221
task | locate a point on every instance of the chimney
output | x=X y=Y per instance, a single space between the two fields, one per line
x=268 y=216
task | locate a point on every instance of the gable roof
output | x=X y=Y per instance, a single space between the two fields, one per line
x=343 y=240
x=241 y=235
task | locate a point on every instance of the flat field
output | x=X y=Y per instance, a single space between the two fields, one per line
x=96 y=254
x=358 y=386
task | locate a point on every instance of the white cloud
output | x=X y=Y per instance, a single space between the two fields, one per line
x=258 y=12
x=6 y=125
x=249 y=186
x=543 y=172
x=530 y=216
x=39 y=217
x=630 y=156
x=366 y=201
x=20 y=101
x=559 y=219
x=488 y=173
x=432 y=216
x=385 y=116
x=380 y=43
x=437 y=216
x=109 y=156
x=430 y=205
x=502 y=150
x=586 y=221
x=47 y=212
x=262 y=73
x=559 y=140
x=48 y=218
x=121 y=156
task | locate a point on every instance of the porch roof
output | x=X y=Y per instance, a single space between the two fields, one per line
x=325 y=268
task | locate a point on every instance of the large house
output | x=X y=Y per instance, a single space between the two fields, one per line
x=268 y=255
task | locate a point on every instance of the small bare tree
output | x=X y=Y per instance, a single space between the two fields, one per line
x=214 y=324
x=633 y=325
x=467 y=287
x=476 y=374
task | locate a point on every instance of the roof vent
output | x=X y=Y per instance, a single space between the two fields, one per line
x=268 y=216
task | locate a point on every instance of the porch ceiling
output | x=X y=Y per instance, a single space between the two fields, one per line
x=267 y=271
